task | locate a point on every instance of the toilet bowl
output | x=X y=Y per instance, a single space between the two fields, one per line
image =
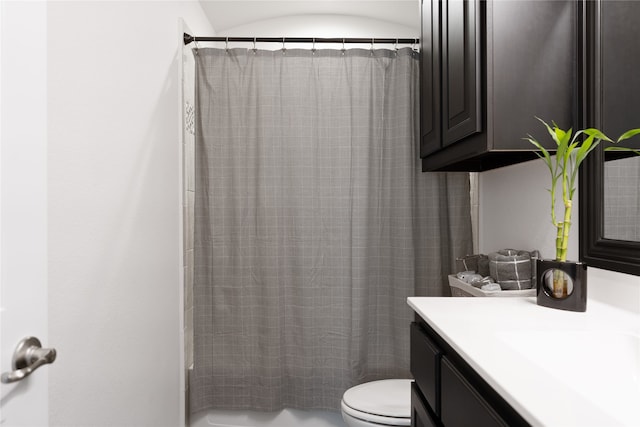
x=378 y=403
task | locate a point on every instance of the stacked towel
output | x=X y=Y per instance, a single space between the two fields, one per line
x=511 y=269
x=478 y=263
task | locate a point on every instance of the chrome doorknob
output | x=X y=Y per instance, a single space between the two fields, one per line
x=28 y=356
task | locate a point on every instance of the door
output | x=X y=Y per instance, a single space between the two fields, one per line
x=23 y=203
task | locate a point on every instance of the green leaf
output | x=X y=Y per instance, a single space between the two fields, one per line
x=551 y=131
x=587 y=146
x=597 y=134
x=545 y=154
x=628 y=134
x=560 y=134
x=632 y=150
x=564 y=147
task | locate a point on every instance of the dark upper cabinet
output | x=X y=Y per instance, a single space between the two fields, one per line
x=488 y=68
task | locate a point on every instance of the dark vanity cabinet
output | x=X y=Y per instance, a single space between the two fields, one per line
x=487 y=69
x=447 y=391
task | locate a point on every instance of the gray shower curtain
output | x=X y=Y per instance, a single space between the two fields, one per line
x=313 y=224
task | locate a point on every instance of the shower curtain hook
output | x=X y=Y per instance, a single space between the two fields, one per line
x=343 y=48
x=254 y=45
x=195 y=43
x=284 y=49
x=413 y=46
x=313 y=47
x=226 y=45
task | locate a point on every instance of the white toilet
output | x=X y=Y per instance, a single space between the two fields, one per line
x=378 y=403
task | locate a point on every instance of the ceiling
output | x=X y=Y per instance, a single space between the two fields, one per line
x=225 y=14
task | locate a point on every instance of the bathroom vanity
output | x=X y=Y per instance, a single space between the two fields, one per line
x=447 y=391
x=510 y=362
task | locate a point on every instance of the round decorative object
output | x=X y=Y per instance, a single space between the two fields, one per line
x=561 y=284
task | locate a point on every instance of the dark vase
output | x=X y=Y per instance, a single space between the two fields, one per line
x=561 y=284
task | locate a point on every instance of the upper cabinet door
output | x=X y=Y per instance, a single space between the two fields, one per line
x=430 y=118
x=461 y=69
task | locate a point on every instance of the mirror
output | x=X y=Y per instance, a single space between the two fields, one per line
x=621 y=209
x=609 y=181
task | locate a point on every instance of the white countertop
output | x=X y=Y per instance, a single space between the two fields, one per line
x=555 y=367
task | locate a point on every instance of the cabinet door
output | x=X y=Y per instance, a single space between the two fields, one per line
x=430 y=119
x=421 y=415
x=425 y=366
x=461 y=69
x=461 y=404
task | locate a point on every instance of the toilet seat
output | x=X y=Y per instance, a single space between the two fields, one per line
x=385 y=402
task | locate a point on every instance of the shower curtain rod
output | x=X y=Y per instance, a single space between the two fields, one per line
x=188 y=38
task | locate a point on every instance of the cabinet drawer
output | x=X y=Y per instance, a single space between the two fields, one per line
x=462 y=405
x=421 y=414
x=425 y=366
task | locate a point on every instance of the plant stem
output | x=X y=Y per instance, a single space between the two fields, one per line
x=560 y=233
x=562 y=240
x=565 y=230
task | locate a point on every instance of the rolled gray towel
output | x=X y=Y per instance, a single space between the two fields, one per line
x=478 y=263
x=483 y=265
x=511 y=269
x=491 y=287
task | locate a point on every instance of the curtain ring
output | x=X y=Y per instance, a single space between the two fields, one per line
x=195 y=43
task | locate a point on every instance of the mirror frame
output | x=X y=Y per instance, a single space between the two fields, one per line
x=596 y=250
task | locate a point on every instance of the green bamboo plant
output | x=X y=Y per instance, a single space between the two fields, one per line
x=572 y=150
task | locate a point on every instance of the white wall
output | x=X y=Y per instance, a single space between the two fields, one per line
x=514 y=213
x=325 y=26
x=320 y=26
x=515 y=210
x=114 y=211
